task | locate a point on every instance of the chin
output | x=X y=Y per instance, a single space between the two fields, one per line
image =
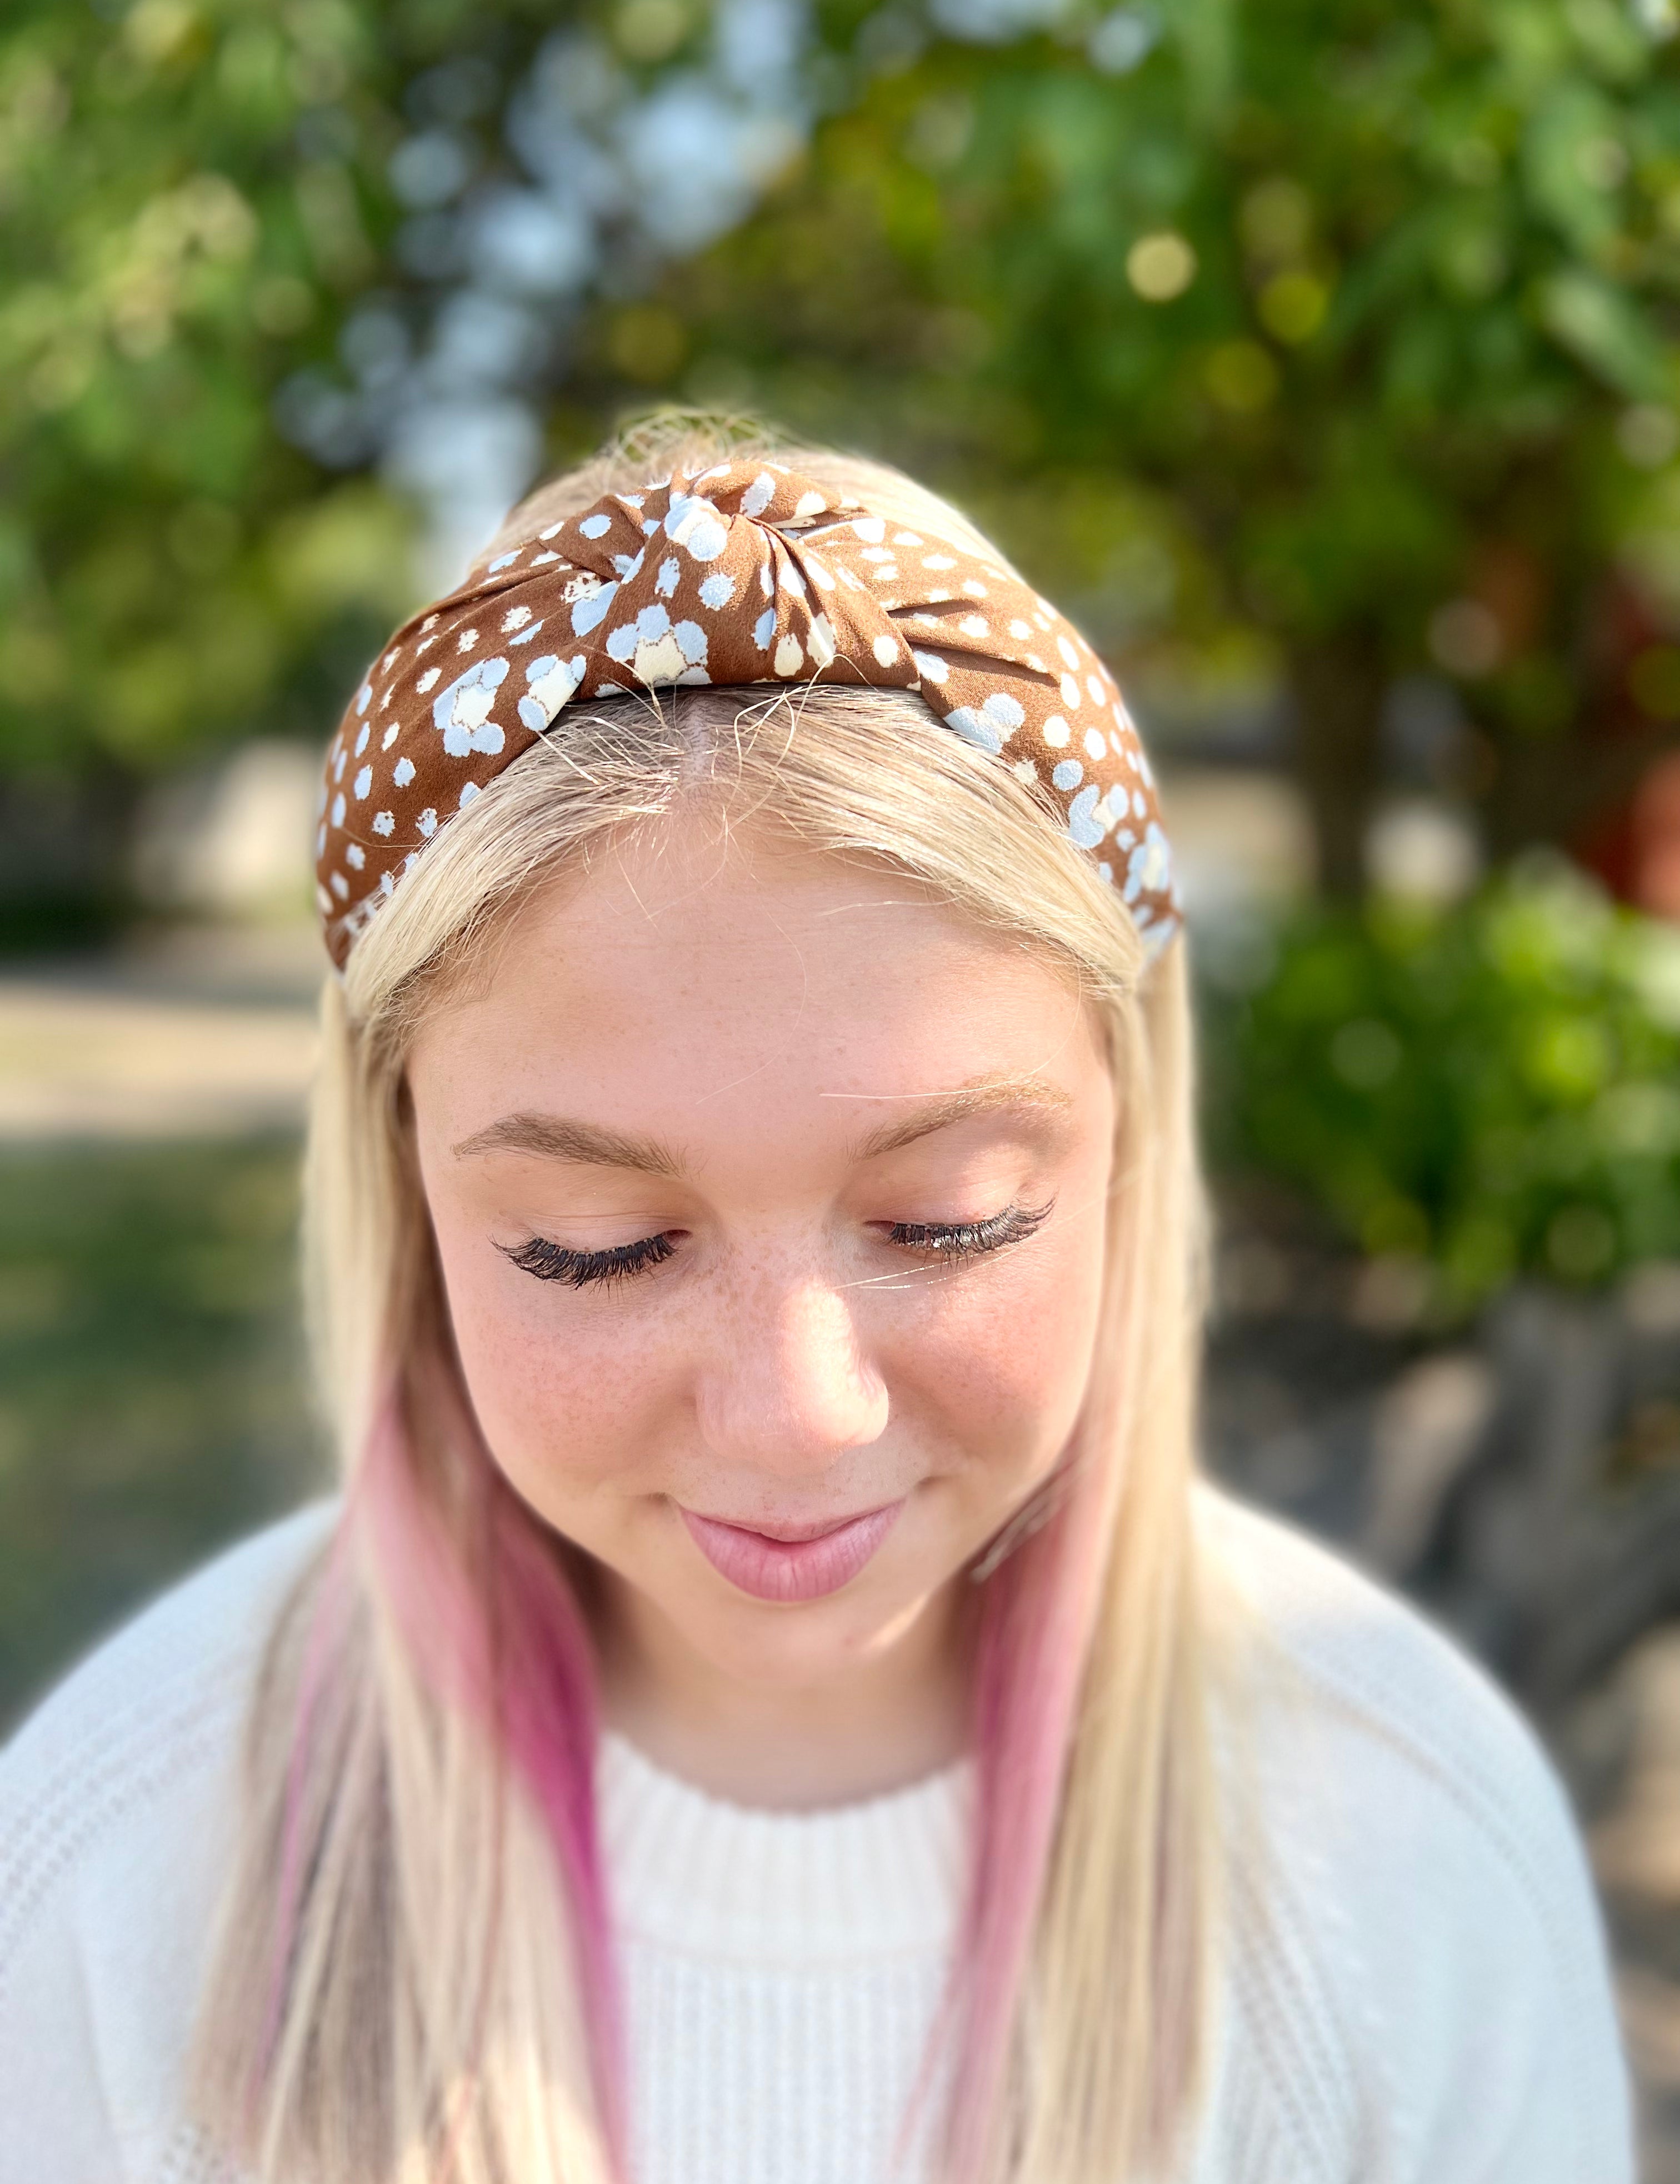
x=778 y=1647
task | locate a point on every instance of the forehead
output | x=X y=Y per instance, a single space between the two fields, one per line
x=721 y=974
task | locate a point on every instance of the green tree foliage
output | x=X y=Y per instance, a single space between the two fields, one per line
x=173 y=235
x=1334 y=333
x=233 y=235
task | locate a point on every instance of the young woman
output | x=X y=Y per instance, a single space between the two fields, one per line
x=773 y=1702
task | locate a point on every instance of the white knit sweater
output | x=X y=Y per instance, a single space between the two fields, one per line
x=1432 y=2006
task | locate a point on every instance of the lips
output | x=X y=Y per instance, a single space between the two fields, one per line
x=786 y=1564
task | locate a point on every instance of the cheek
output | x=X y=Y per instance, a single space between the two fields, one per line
x=998 y=1364
x=565 y=1388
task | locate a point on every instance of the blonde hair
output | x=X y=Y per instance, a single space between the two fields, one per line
x=403 y=2027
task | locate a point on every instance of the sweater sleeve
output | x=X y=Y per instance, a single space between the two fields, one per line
x=1446 y=1980
x=118 y=1807
x=1481 y=1954
x=54 y=2118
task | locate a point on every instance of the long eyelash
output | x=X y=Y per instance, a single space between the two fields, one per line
x=555 y=1263
x=956 y=1240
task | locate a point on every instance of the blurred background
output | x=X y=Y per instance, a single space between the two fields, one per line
x=1321 y=357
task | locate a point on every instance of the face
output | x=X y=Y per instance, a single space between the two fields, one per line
x=769 y=1196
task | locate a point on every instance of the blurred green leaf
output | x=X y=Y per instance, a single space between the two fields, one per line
x=1494 y=1088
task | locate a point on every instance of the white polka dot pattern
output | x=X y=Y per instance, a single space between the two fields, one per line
x=745 y=573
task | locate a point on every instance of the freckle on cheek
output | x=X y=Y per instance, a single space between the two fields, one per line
x=557 y=1404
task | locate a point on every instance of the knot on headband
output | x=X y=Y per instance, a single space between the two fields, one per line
x=747 y=573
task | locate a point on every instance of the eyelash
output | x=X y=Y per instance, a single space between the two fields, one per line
x=953 y=1241
x=553 y=1263
x=957 y=1240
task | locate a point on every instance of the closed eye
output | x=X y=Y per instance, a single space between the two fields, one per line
x=956 y=1240
x=555 y=1262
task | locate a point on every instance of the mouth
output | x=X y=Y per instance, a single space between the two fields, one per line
x=791 y=1563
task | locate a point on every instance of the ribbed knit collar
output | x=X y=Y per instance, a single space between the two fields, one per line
x=876 y=1880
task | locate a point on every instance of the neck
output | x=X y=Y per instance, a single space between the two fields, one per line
x=883 y=1722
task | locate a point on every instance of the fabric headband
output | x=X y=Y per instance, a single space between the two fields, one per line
x=746 y=573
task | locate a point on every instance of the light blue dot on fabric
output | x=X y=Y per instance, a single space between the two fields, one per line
x=402 y=772
x=552 y=684
x=717 y=591
x=764 y=629
x=695 y=525
x=669 y=570
x=1082 y=821
x=364 y=782
x=460 y=706
x=691 y=641
x=990 y=725
x=974 y=727
x=505 y=560
x=1148 y=869
x=1069 y=775
x=588 y=612
x=363 y=697
x=596 y=526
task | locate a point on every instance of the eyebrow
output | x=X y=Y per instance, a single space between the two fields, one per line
x=562 y=1138
x=1024 y=1099
x=557 y=1136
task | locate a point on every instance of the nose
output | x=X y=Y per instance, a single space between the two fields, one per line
x=786 y=1387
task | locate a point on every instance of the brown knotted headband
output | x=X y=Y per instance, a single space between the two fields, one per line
x=746 y=573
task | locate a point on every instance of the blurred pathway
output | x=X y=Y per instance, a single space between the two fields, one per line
x=208 y=1036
